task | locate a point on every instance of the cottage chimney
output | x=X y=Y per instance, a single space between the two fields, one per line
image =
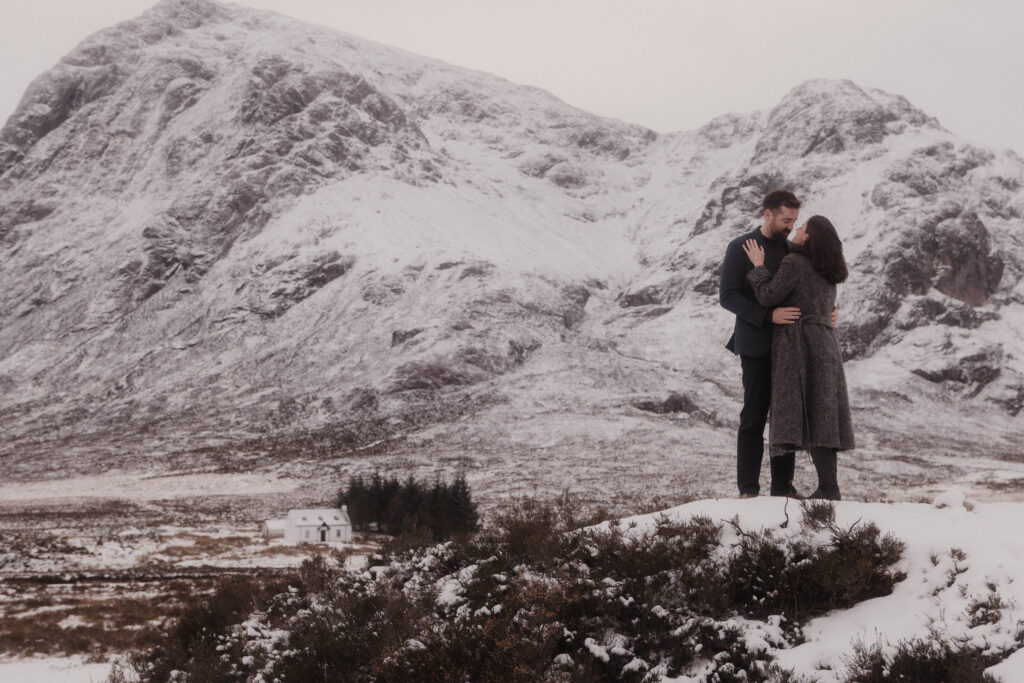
x=344 y=508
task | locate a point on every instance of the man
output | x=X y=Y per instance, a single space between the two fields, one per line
x=752 y=341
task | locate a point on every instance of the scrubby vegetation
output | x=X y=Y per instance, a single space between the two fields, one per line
x=530 y=598
x=94 y=619
x=434 y=511
x=934 y=659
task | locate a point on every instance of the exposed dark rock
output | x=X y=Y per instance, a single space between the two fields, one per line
x=889 y=194
x=1014 y=404
x=728 y=129
x=363 y=400
x=431 y=375
x=478 y=270
x=667 y=292
x=645 y=296
x=538 y=167
x=520 y=350
x=482 y=358
x=1011 y=184
x=182 y=153
x=575 y=311
x=965 y=268
x=281 y=287
x=19 y=212
x=468 y=365
x=977 y=370
x=709 y=283
x=926 y=311
x=281 y=89
x=568 y=176
x=180 y=94
x=1000 y=207
x=711 y=218
x=400 y=336
x=52 y=99
x=948 y=250
x=459 y=104
x=382 y=293
x=601 y=141
x=675 y=403
x=923 y=179
x=656 y=311
x=738 y=204
x=579 y=296
x=858 y=338
x=906 y=269
x=928 y=171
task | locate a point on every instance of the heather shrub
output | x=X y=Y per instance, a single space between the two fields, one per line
x=987 y=610
x=934 y=659
x=517 y=642
x=531 y=598
x=194 y=642
x=801 y=579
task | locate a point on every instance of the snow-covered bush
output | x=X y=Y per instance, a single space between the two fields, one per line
x=529 y=598
x=932 y=659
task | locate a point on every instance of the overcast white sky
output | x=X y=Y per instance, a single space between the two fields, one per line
x=666 y=64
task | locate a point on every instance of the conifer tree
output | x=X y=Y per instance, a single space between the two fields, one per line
x=389 y=506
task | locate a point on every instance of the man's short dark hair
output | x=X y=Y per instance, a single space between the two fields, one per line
x=776 y=198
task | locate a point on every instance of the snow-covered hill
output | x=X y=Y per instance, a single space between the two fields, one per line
x=234 y=240
x=962 y=561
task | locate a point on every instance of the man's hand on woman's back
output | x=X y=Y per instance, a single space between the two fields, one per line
x=785 y=315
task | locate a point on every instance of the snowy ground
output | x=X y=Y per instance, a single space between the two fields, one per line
x=142 y=486
x=938 y=589
x=119 y=553
x=53 y=670
x=959 y=551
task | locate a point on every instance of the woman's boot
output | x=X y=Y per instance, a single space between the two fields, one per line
x=828 y=483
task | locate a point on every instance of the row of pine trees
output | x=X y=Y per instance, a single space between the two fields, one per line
x=390 y=506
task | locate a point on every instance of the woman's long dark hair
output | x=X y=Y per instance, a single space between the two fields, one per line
x=824 y=250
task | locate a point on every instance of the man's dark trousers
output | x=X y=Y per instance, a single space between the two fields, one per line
x=752 y=342
x=757 y=396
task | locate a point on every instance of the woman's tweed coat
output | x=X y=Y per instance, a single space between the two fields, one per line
x=810 y=406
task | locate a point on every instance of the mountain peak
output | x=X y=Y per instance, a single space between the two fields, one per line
x=166 y=18
x=187 y=13
x=830 y=116
x=224 y=231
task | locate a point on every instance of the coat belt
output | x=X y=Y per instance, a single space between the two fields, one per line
x=811 y=319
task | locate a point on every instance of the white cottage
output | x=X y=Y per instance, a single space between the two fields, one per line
x=273 y=528
x=318 y=526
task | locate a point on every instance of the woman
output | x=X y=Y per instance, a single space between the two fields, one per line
x=810 y=408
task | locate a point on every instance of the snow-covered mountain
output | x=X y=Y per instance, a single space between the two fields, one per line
x=234 y=240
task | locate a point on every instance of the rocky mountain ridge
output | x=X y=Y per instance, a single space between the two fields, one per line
x=231 y=239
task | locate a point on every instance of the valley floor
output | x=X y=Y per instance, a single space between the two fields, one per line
x=88 y=564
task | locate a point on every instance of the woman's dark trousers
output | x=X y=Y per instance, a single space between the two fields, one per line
x=825 y=462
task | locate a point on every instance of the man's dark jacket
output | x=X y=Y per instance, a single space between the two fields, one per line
x=753 y=333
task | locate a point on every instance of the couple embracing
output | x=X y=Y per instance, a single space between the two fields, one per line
x=783 y=294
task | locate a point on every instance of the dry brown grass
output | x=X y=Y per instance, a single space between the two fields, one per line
x=187 y=545
x=111 y=618
x=69 y=598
